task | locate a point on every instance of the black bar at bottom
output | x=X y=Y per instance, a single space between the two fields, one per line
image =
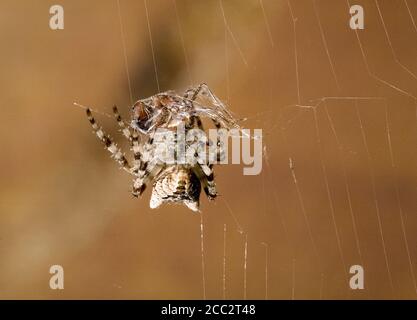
x=210 y=309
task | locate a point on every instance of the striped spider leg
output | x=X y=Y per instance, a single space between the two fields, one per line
x=219 y=115
x=110 y=145
x=149 y=168
x=144 y=168
x=139 y=166
x=204 y=171
x=141 y=170
x=133 y=137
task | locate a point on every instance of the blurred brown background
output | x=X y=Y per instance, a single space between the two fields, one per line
x=64 y=201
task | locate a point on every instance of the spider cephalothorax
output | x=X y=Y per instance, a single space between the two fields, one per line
x=178 y=182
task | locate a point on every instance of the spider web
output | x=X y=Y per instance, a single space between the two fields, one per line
x=338 y=111
x=338 y=186
x=338 y=172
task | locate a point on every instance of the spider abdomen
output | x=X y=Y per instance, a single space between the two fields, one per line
x=176 y=184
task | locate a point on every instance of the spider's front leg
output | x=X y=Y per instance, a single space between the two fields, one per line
x=108 y=142
x=126 y=130
x=222 y=113
x=193 y=92
x=133 y=138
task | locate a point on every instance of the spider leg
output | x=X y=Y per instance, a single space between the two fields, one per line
x=147 y=167
x=220 y=152
x=193 y=92
x=209 y=185
x=220 y=109
x=205 y=91
x=126 y=130
x=108 y=142
x=204 y=171
x=133 y=138
x=144 y=176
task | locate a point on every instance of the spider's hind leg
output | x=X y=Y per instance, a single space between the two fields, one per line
x=108 y=142
x=204 y=171
x=206 y=176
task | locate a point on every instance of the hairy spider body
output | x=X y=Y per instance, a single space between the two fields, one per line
x=174 y=183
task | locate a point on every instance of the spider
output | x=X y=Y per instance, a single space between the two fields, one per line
x=172 y=183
